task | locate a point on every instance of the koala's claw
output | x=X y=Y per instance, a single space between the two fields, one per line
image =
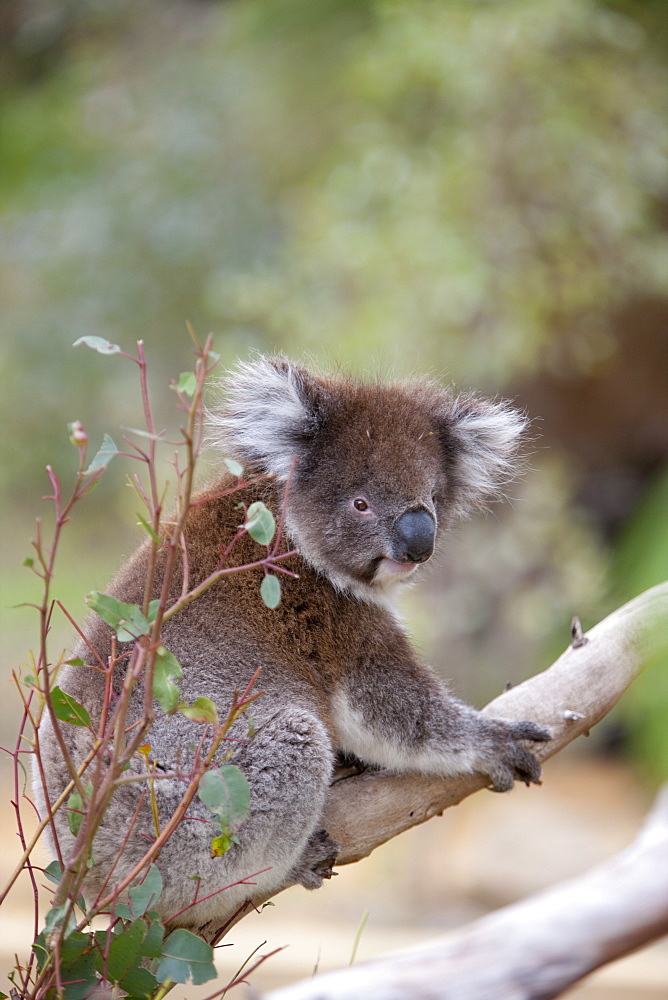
x=513 y=762
x=317 y=861
x=530 y=731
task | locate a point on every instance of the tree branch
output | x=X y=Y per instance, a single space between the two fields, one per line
x=543 y=945
x=365 y=810
x=570 y=697
x=536 y=948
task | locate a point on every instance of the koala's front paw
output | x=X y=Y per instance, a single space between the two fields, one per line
x=504 y=758
x=317 y=860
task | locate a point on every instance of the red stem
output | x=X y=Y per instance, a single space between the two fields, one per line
x=241 y=881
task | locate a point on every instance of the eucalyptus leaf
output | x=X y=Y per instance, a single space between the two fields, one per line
x=124 y=949
x=98 y=344
x=236 y=468
x=67 y=709
x=139 y=984
x=260 y=523
x=54 y=873
x=167 y=670
x=104 y=456
x=79 y=978
x=201 y=710
x=187 y=383
x=221 y=844
x=74 y=812
x=73 y=947
x=142 y=897
x=224 y=790
x=126 y=619
x=148 y=529
x=186 y=958
x=270 y=591
x=75 y=809
x=152 y=943
x=21 y=765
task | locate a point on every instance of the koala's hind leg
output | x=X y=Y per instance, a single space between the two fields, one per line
x=288 y=764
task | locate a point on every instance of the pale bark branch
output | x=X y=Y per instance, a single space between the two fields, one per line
x=534 y=949
x=365 y=810
x=569 y=697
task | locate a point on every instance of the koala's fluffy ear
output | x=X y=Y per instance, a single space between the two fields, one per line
x=483 y=439
x=270 y=412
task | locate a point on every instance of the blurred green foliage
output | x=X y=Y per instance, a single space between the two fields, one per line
x=641 y=561
x=468 y=187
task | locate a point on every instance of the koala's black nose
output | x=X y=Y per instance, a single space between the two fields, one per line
x=414 y=534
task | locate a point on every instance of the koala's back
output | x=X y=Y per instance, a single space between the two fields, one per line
x=221 y=639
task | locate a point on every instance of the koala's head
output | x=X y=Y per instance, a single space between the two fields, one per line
x=377 y=470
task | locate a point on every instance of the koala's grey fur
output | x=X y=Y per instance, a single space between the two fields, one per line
x=381 y=470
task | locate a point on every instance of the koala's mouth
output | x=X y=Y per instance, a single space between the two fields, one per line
x=389 y=570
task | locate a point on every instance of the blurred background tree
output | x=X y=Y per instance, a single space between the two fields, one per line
x=478 y=189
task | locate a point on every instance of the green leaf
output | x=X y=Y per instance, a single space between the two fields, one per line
x=142 y=897
x=270 y=591
x=54 y=873
x=79 y=978
x=75 y=809
x=220 y=845
x=260 y=523
x=236 y=468
x=148 y=529
x=186 y=958
x=201 y=710
x=98 y=344
x=29 y=562
x=139 y=984
x=152 y=944
x=126 y=619
x=224 y=790
x=187 y=383
x=124 y=949
x=68 y=709
x=40 y=949
x=19 y=763
x=75 y=812
x=74 y=946
x=54 y=919
x=167 y=667
x=76 y=661
x=103 y=457
x=153 y=610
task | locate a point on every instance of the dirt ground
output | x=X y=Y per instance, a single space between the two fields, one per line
x=489 y=851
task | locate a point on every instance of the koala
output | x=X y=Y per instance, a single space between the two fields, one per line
x=376 y=472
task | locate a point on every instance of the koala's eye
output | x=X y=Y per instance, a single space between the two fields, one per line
x=360 y=504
